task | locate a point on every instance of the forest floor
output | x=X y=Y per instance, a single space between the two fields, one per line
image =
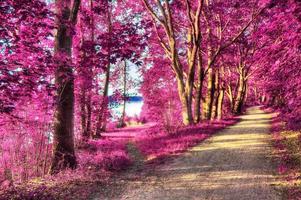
x=233 y=164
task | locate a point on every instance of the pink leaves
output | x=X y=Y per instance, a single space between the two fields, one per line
x=282 y=169
x=105 y=154
x=161 y=144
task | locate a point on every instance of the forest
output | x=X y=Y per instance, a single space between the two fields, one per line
x=94 y=93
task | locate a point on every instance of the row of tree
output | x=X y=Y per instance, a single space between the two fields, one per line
x=210 y=50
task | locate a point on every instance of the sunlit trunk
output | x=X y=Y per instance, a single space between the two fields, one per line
x=187 y=117
x=207 y=105
x=185 y=99
x=220 y=104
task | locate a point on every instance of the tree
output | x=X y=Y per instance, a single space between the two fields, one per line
x=201 y=47
x=102 y=116
x=219 y=40
x=63 y=141
x=278 y=74
x=166 y=22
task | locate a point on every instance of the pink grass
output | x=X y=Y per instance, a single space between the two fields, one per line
x=160 y=144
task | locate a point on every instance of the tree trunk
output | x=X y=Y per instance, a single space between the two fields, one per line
x=90 y=77
x=187 y=117
x=238 y=104
x=83 y=91
x=207 y=106
x=89 y=113
x=83 y=116
x=215 y=96
x=122 y=120
x=200 y=79
x=230 y=96
x=102 y=116
x=220 y=104
x=105 y=103
x=63 y=138
x=170 y=48
x=102 y=119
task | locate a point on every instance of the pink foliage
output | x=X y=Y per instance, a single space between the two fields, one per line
x=157 y=144
x=104 y=154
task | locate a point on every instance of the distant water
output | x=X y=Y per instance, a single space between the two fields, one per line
x=132 y=108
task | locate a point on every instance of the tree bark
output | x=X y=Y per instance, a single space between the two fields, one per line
x=102 y=116
x=83 y=112
x=238 y=103
x=200 y=79
x=220 y=104
x=90 y=77
x=122 y=121
x=63 y=139
x=215 y=96
x=83 y=90
x=207 y=105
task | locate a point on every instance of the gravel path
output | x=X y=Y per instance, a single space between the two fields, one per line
x=232 y=165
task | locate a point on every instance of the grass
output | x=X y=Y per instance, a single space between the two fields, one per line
x=157 y=147
x=288 y=149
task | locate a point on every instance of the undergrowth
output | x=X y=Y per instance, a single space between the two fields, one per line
x=288 y=147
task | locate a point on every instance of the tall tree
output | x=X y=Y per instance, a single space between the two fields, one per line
x=122 y=120
x=103 y=113
x=63 y=139
x=185 y=78
x=218 y=40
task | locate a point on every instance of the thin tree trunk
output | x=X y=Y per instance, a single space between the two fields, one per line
x=240 y=96
x=101 y=121
x=207 y=106
x=89 y=113
x=105 y=103
x=82 y=94
x=122 y=121
x=215 y=96
x=230 y=96
x=46 y=158
x=102 y=116
x=200 y=79
x=83 y=116
x=220 y=104
x=90 y=77
x=63 y=138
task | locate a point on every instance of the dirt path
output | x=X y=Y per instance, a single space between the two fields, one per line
x=232 y=165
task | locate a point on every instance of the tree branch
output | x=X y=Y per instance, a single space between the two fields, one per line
x=74 y=11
